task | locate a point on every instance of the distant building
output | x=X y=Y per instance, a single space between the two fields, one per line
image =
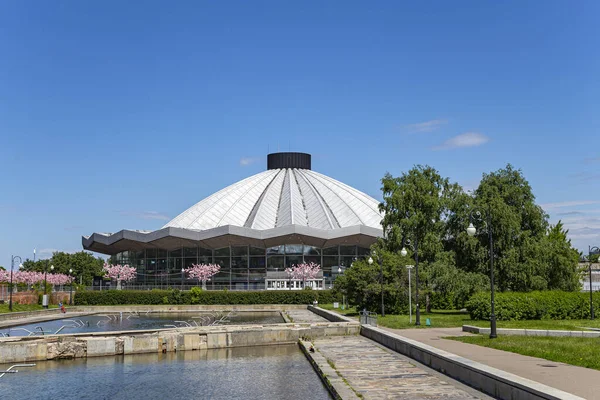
x=254 y=229
x=585 y=279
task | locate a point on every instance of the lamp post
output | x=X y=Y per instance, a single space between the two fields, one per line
x=45 y=298
x=596 y=250
x=182 y=272
x=471 y=231
x=10 y=287
x=381 y=277
x=71 y=287
x=409 y=268
x=403 y=252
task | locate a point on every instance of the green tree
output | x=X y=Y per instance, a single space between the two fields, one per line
x=517 y=223
x=415 y=205
x=84 y=265
x=562 y=260
x=362 y=282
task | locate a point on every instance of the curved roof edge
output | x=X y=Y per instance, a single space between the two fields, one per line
x=173 y=238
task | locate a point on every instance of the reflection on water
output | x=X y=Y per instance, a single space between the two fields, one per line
x=274 y=372
x=127 y=321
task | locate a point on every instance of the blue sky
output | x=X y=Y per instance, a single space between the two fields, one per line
x=117 y=115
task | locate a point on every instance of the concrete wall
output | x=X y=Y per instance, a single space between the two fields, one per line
x=23 y=349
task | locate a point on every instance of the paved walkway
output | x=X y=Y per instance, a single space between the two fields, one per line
x=304 y=316
x=583 y=382
x=378 y=373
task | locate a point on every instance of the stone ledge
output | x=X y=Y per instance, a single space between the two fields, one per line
x=334 y=383
x=530 y=332
x=492 y=381
x=21 y=349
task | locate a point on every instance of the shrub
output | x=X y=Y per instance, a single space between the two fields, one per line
x=122 y=297
x=533 y=305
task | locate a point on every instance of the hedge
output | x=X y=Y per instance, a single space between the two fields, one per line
x=533 y=305
x=197 y=296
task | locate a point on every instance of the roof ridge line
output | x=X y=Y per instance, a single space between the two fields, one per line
x=328 y=213
x=259 y=202
x=344 y=202
x=240 y=198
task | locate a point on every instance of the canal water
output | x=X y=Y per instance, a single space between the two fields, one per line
x=128 y=321
x=262 y=372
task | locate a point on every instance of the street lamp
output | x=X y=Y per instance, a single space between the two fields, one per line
x=10 y=287
x=409 y=268
x=403 y=252
x=182 y=272
x=71 y=287
x=471 y=231
x=45 y=298
x=596 y=250
x=379 y=259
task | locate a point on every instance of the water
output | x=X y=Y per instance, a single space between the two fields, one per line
x=114 y=321
x=265 y=372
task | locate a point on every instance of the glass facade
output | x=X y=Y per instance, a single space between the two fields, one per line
x=242 y=267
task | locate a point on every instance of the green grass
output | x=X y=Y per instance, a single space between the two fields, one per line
x=23 y=307
x=454 y=319
x=438 y=318
x=582 y=352
x=551 y=324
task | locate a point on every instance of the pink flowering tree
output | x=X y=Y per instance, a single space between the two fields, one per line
x=4 y=276
x=120 y=273
x=202 y=272
x=304 y=271
x=58 y=279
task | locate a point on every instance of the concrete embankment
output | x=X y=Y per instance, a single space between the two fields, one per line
x=489 y=380
x=22 y=349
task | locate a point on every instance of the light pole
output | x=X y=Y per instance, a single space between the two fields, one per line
x=596 y=250
x=71 y=287
x=409 y=268
x=381 y=276
x=471 y=231
x=182 y=272
x=404 y=253
x=45 y=298
x=10 y=287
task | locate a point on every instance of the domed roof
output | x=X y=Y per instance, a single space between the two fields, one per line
x=283 y=196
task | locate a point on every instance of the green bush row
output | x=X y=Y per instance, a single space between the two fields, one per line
x=533 y=305
x=198 y=296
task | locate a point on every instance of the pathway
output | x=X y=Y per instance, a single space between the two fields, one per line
x=304 y=316
x=378 y=373
x=579 y=381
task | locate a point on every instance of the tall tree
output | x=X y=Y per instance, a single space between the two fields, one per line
x=84 y=265
x=517 y=223
x=414 y=205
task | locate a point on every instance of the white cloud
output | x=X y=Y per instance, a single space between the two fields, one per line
x=427 y=126
x=245 y=161
x=468 y=139
x=573 y=203
x=42 y=254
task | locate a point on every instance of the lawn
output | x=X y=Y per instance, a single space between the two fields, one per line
x=552 y=324
x=438 y=318
x=582 y=352
x=23 y=307
x=454 y=319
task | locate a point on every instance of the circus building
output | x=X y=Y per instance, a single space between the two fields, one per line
x=254 y=229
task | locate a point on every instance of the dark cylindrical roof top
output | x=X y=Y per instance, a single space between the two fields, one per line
x=288 y=160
